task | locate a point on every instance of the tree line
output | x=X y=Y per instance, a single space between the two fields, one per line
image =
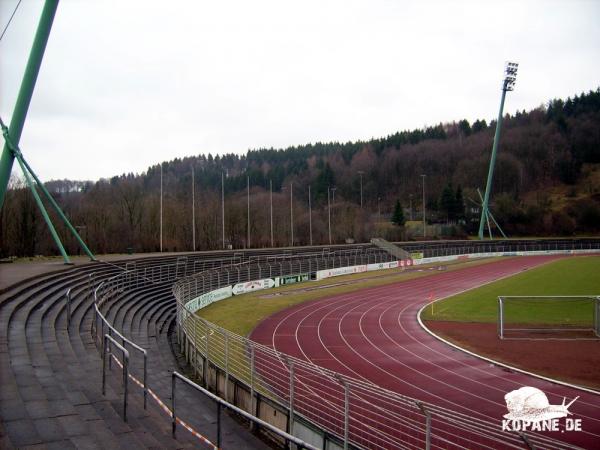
x=546 y=183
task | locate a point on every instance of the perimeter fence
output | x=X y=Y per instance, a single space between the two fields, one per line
x=322 y=407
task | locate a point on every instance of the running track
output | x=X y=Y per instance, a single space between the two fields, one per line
x=373 y=335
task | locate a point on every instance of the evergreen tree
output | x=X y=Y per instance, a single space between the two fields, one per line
x=398 y=215
x=459 y=204
x=447 y=202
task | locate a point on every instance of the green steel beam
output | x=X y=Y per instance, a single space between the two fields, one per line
x=26 y=168
x=38 y=200
x=488 y=186
x=26 y=91
x=59 y=211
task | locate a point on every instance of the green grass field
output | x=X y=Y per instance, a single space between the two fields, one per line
x=572 y=276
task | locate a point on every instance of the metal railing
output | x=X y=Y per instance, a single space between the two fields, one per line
x=358 y=413
x=300 y=444
x=106 y=352
x=374 y=418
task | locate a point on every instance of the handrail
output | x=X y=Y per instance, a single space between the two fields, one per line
x=124 y=341
x=107 y=341
x=220 y=402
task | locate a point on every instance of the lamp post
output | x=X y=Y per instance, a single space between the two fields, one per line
x=508 y=84
x=223 y=208
x=248 y=189
x=329 y=213
x=193 y=212
x=360 y=172
x=309 y=217
x=424 y=223
x=292 y=213
x=332 y=206
x=271 y=201
x=161 y=208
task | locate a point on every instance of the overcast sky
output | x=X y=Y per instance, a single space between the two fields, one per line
x=127 y=84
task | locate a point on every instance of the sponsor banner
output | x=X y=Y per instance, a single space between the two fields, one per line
x=417 y=255
x=254 y=285
x=383 y=265
x=291 y=279
x=208 y=298
x=327 y=273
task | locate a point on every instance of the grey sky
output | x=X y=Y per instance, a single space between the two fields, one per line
x=127 y=84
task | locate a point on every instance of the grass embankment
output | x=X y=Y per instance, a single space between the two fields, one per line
x=572 y=276
x=241 y=314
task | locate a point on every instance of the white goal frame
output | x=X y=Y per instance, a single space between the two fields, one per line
x=501 y=317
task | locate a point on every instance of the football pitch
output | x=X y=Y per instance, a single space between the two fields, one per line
x=564 y=277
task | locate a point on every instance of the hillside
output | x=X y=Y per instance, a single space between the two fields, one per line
x=547 y=182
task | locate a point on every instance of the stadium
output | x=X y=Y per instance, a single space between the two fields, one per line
x=339 y=294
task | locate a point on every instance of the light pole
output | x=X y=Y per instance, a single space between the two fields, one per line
x=292 y=213
x=332 y=206
x=508 y=84
x=424 y=224
x=309 y=217
x=329 y=213
x=411 y=213
x=271 y=195
x=379 y=208
x=360 y=172
x=223 y=208
x=248 y=188
x=193 y=212
x=161 y=207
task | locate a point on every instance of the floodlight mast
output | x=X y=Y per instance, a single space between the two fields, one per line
x=508 y=84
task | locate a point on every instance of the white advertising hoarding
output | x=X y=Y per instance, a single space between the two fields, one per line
x=254 y=285
x=208 y=298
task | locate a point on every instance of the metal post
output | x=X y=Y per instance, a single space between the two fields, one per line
x=424 y=222
x=227 y=366
x=427 y=425
x=218 y=425
x=26 y=91
x=68 y=296
x=488 y=185
x=248 y=186
x=310 y=216
x=252 y=367
x=193 y=212
x=292 y=398
x=271 y=196
x=501 y=317
x=145 y=378
x=292 y=213
x=161 y=207
x=126 y=383
x=329 y=214
x=223 y=208
x=173 y=414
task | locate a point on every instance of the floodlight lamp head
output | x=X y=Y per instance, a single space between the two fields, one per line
x=510 y=78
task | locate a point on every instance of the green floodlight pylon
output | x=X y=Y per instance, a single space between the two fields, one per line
x=12 y=134
x=508 y=84
x=26 y=92
x=28 y=173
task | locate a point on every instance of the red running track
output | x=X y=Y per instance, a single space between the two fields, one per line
x=373 y=335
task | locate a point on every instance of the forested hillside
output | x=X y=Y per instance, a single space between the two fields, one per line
x=547 y=182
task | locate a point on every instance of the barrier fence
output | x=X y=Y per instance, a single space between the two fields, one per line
x=315 y=404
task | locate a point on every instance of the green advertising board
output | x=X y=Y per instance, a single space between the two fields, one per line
x=291 y=279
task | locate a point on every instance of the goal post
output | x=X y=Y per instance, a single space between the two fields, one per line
x=549 y=317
